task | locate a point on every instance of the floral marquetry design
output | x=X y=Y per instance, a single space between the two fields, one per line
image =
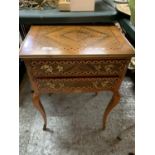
x=51 y=85
x=109 y=68
x=105 y=84
x=83 y=84
x=49 y=68
x=98 y=67
x=60 y=68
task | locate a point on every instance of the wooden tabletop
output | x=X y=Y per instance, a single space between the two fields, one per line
x=75 y=41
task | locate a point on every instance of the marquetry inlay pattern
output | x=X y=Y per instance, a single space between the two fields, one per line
x=46 y=68
x=75 y=58
x=72 y=37
x=71 y=84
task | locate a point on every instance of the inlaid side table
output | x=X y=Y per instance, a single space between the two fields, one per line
x=75 y=59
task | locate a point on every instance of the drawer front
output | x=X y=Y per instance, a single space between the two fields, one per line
x=71 y=68
x=75 y=84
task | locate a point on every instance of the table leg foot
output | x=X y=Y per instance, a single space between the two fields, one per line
x=40 y=108
x=103 y=127
x=44 y=127
x=114 y=101
x=95 y=94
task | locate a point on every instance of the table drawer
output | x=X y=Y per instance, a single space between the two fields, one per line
x=74 y=68
x=75 y=84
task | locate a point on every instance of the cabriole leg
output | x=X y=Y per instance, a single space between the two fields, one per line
x=40 y=108
x=114 y=101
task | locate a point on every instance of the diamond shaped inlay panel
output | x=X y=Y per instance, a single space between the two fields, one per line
x=77 y=37
x=83 y=33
